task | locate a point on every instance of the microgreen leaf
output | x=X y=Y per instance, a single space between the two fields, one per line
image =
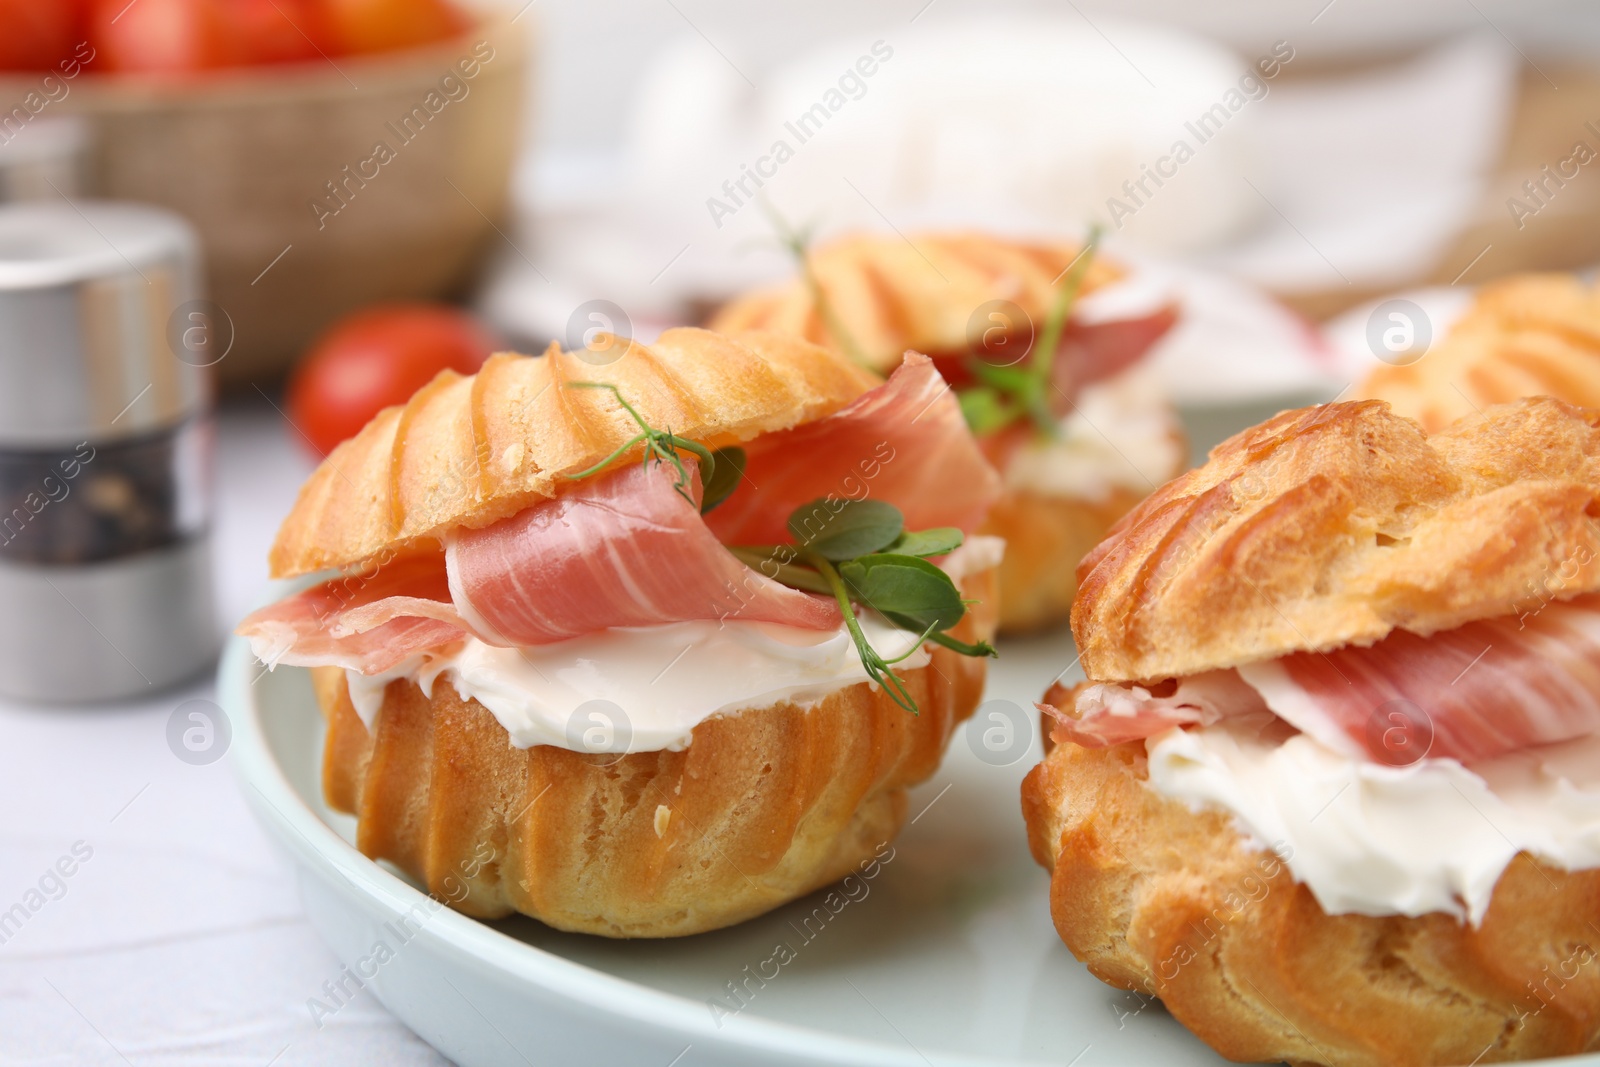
x=878 y=669
x=934 y=542
x=726 y=470
x=1005 y=379
x=1006 y=394
x=798 y=242
x=985 y=409
x=899 y=584
x=661 y=446
x=1066 y=296
x=906 y=586
x=844 y=529
x=981 y=649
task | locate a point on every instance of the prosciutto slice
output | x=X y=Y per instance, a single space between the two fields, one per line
x=1090 y=351
x=1473 y=693
x=1093 y=352
x=364 y=622
x=620 y=549
x=904 y=442
x=1113 y=714
x=625 y=549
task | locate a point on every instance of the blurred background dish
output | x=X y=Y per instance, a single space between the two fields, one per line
x=318 y=185
x=268 y=166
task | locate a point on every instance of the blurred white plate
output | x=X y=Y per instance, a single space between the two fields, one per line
x=1357 y=337
x=950 y=957
x=1234 y=344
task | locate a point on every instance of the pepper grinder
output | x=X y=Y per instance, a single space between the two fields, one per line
x=106 y=442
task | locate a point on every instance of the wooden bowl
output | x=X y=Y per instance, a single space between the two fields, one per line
x=248 y=156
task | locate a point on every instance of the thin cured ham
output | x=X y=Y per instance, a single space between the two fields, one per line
x=1112 y=714
x=364 y=622
x=904 y=442
x=1089 y=352
x=621 y=549
x=1481 y=690
x=1093 y=352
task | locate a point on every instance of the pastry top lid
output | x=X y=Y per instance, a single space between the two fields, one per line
x=1333 y=525
x=921 y=292
x=469 y=451
x=1528 y=335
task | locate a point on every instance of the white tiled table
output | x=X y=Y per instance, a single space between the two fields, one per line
x=180 y=940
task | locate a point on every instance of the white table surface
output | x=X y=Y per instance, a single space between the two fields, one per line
x=181 y=939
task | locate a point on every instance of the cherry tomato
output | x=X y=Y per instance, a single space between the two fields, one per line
x=375 y=358
x=274 y=31
x=386 y=25
x=37 y=36
x=159 y=36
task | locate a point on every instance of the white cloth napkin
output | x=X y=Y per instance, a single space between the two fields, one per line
x=1361 y=180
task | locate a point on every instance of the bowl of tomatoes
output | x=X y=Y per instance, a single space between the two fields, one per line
x=331 y=153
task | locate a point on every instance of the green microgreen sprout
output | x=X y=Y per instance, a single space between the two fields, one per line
x=880 y=670
x=1006 y=395
x=798 y=243
x=858 y=551
x=720 y=471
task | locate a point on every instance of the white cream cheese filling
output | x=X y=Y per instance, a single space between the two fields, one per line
x=1122 y=435
x=639 y=689
x=1372 y=839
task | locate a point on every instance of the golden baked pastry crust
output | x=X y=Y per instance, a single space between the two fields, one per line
x=471 y=451
x=762 y=807
x=895 y=293
x=1333 y=525
x=1528 y=335
x=1171 y=902
x=1045 y=538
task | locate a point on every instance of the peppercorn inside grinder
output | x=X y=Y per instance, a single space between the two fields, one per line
x=106 y=442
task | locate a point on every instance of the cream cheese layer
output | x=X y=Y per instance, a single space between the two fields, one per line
x=646 y=688
x=1373 y=839
x=1121 y=434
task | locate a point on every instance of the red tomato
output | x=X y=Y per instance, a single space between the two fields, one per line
x=274 y=31
x=375 y=358
x=38 y=34
x=159 y=36
x=386 y=25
